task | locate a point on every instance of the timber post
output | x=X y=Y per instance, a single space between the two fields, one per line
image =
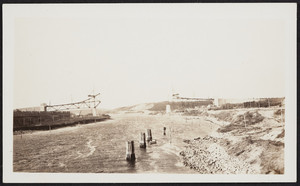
x=149 y=135
x=143 y=140
x=130 y=156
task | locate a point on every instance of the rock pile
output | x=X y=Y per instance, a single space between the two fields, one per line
x=250 y=117
x=208 y=157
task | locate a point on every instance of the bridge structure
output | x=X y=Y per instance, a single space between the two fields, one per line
x=92 y=102
x=176 y=97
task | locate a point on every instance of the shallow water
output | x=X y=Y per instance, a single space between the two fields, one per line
x=100 y=147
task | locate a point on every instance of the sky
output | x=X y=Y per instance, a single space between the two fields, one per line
x=139 y=54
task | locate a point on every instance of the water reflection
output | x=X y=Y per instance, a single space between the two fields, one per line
x=131 y=165
x=143 y=150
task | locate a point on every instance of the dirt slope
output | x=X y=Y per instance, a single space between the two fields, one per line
x=247 y=142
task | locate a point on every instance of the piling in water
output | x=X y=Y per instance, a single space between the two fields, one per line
x=152 y=142
x=149 y=135
x=130 y=156
x=143 y=140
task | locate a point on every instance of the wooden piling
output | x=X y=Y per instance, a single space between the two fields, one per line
x=130 y=156
x=164 y=130
x=149 y=135
x=152 y=142
x=143 y=140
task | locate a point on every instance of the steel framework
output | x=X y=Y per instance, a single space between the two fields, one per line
x=91 y=102
x=177 y=97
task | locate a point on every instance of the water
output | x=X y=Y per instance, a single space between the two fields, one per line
x=101 y=147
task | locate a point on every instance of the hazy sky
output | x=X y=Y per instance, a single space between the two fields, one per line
x=136 y=54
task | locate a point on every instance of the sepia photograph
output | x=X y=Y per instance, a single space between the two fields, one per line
x=188 y=92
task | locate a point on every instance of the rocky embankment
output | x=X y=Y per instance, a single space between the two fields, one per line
x=208 y=156
x=252 y=143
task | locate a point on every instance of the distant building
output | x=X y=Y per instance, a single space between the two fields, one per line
x=219 y=102
x=168 y=109
x=216 y=102
x=30 y=109
x=43 y=107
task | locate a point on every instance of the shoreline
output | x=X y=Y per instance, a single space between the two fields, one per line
x=193 y=144
x=107 y=139
x=59 y=129
x=237 y=147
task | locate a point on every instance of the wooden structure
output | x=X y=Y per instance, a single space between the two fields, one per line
x=149 y=135
x=143 y=140
x=130 y=155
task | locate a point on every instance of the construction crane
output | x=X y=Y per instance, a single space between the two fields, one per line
x=92 y=102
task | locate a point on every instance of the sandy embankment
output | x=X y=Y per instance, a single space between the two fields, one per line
x=250 y=145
